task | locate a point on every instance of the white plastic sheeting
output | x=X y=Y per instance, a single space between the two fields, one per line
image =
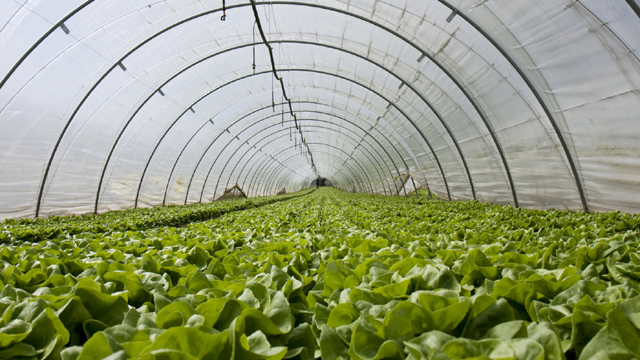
x=115 y=104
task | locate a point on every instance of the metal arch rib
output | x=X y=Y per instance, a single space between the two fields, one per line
x=288 y=183
x=229 y=143
x=438 y=115
x=368 y=155
x=631 y=3
x=366 y=132
x=239 y=47
x=536 y=93
x=443 y=69
x=248 y=139
x=95 y=85
x=193 y=136
x=40 y=40
x=346 y=79
x=371 y=156
x=176 y=120
x=113 y=147
x=634 y=6
x=435 y=156
x=354 y=124
x=353 y=54
x=256 y=134
x=324 y=121
x=574 y=170
x=262 y=169
x=415 y=91
x=214 y=162
x=348 y=179
x=270 y=173
x=90 y=91
x=255 y=163
x=265 y=170
x=272 y=178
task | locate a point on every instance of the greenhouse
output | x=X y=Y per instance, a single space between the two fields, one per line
x=328 y=179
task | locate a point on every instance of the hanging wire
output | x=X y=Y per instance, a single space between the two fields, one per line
x=275 y=75
x=224 y=11
x=253 y=65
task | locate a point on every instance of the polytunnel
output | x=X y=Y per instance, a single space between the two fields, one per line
x=118 y=104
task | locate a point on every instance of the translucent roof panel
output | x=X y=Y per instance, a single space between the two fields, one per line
x=120 y=104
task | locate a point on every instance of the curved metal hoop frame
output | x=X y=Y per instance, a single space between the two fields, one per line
x=484 y=33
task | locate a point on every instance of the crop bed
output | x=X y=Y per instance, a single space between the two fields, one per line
x=329 y=275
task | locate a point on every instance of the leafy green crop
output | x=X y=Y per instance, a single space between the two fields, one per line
x=132 y=219
x=330 y=275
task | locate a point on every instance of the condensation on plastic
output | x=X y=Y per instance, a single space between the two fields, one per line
x=373 y=109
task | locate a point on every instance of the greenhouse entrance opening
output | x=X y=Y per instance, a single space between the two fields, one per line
x=321 y=181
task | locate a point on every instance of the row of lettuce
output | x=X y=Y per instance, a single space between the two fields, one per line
x=131 y=219
x=332 y=276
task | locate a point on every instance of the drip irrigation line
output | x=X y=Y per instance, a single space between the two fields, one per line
x=280 y=79
x=253 y=65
